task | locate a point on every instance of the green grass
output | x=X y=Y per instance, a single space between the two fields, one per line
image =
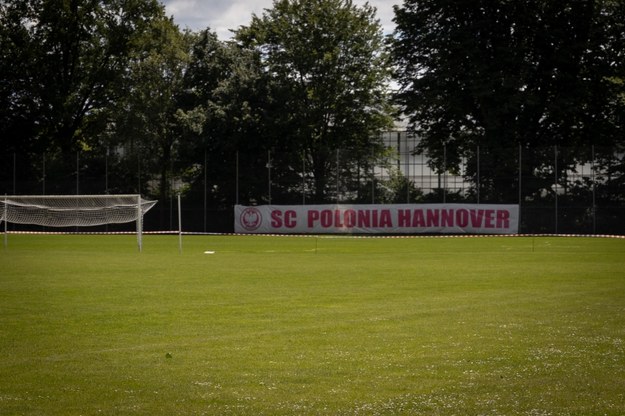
x=312 y=326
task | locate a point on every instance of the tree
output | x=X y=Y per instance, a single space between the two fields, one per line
x=327 y=75
x=503 y=74
x=61 y=65
x=225 y=89
x=67 y=59
x=148 y=120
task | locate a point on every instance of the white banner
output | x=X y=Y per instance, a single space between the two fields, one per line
x=377 y=219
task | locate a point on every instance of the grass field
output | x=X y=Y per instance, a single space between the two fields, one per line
x=312 y=326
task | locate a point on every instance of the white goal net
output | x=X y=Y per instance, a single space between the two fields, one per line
x=74 y=210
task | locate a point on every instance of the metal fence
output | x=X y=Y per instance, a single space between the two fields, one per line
x=559 y=189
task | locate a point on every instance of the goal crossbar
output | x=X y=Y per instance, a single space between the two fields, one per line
x=74 y=210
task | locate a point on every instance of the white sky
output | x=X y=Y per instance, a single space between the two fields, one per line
x=222 y=15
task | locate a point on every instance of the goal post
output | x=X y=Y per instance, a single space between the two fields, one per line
x=74 y=211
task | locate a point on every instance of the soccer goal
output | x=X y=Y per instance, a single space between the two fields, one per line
x=74 y=211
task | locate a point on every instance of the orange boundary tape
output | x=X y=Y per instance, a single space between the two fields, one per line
x=318 y=235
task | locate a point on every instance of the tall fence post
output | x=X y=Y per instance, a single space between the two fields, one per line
x=407 y=163
x=520 y=180
x=594 y=190
x=304 y=177
x=43 y=173
x=14 y=173
x=106 y=171
x=77 y=173
x=139 y=225
x=236 y=178
x=444 y=174
x=205 y=186
x=373 y=175
x=269 y=174
x=138 y=173
x=399 y=151
x=556 y=186
x=171 y=194
x=179 y=224
x=5 y=215
x=338 y=176
x=477 y=172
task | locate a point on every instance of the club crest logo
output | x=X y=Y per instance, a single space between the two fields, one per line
x=251 y=219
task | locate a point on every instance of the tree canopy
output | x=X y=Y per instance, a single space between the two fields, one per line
x=327 y=74
x=61 y=65
x=502 y=74
x=306 y=78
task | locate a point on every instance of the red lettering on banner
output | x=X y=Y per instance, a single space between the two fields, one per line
x=364 y=218
x=337 y=219
x=447 y=218
x=476 y=218
x=290 y=219
x=403 y=218
x=343 y=219
x=443 y=218
x=432 y=218
x=503 y=219
x=313 y=215
x=276 y=218
x=278 y=221
x=462 y=218
x=350 y=218
x=490 y=218
x=385 y=218
x=326 y=218
x=418 y=220
x=368 y=218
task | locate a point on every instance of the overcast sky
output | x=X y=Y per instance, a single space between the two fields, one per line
x=222 y=15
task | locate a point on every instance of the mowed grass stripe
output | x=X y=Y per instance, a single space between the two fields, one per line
x=312 y=325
